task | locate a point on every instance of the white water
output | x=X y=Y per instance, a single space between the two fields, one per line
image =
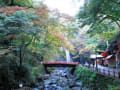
x=67 y=55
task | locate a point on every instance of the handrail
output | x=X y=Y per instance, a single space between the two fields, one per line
x=59 y=62
x=107 y=72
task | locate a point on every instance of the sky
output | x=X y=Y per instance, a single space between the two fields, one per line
x=65 y=6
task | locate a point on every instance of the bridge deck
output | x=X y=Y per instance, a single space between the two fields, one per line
x=59 y=64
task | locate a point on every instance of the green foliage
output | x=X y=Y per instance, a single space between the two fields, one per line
x=86 y=76
x=19 y=32
x=19 y=22
x=28 y=3
x=12 y=74
x=24 y=74
x=7 y=70
x=101 y=15
x=94 y=80
x=102 y=19
x=20 y=29
x=1 y=3
x=29 y=44
x=38 y=71
x=95 y=11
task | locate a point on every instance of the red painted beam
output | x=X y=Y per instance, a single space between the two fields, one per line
x=59 y=62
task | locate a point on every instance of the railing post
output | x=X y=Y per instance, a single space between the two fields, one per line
x=83 y=65
x=108 y=72
x=118 y=75
x=100 y=70
x=93 y=67
x=114 y=73
x=104 y=71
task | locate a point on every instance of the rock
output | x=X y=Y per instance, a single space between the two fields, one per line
x=85 y=88
x=46 y=76
x=35 y=89
x=78 y=84
x=59 y=88
x=46 y=88
x=53 y=85
x=24 y=88
x=76 y=88
x=59 y=80
x=40 y=87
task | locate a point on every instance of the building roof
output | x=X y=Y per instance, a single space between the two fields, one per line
x=93 y=56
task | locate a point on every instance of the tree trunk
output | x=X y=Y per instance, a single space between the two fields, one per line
x=12 y=3
x=5 y=1
x=20 y=56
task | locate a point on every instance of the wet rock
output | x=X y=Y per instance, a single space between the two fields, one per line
x=76 y=88
x=78 y=84
x=46 y=76
x=35 y=88
x=59 y=80
x=85 y=88
x=59 y=88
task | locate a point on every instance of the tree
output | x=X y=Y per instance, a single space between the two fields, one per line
x=19 y=30
x=28 y=3
x=100 y=15
x=102 y=18
x=97 y=11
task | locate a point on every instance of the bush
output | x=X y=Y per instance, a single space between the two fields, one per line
x=11 y=74
x=38 y=71
x=28 y=3
x=8 y=66
x=24 y=74
x=86 y=76
x=94 y=80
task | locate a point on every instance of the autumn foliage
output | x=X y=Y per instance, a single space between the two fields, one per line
x=42 y=14
x=55 y=34
x=11 y=9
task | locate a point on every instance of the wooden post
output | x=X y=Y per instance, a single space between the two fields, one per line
x=114 y=73
x=72 y=71
x=108 y=72
x=116 y=60
x=98 y=70
x=45 y=67
x=96 y=61
x=104 y=71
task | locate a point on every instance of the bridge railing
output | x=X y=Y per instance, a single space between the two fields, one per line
x=104 y=71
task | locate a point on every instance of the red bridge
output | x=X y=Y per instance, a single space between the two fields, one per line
x=59 y=64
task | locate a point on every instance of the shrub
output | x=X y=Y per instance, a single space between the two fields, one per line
x=11 y=74
x=38 y=71
x=8 y=67
x=24 y=74
x=94 y=80
x=86 y=76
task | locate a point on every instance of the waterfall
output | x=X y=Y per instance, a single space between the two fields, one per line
x=67 y=55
